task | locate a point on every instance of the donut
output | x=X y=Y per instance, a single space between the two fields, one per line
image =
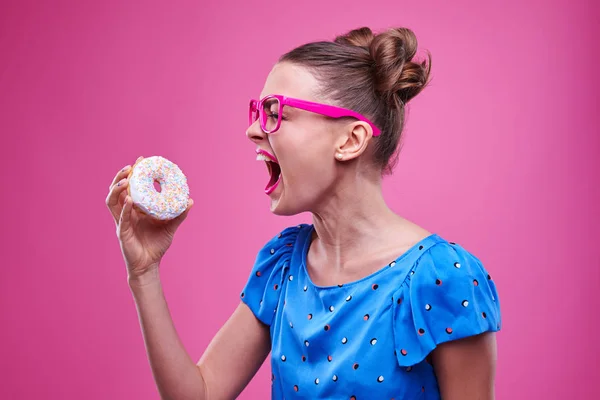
x=174 y=193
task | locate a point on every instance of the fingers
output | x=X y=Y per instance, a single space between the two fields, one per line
x=116 y=191
x=125 y=219
x=112 y=200
x=123 y=173
x=122 y=196
x=120 y=175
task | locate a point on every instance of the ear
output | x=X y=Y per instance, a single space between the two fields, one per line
x=353 y=141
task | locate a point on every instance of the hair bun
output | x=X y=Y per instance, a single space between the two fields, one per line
x=395 y=71
x=361 y=37
x=373 y=75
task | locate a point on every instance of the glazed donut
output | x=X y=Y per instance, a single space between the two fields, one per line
x=174 y=193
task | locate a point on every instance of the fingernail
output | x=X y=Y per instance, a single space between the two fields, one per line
x=124 y=169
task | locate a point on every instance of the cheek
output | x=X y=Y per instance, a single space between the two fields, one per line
x=310 y=172
x=306 y=159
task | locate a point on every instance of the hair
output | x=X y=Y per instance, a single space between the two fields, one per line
x=372 y=74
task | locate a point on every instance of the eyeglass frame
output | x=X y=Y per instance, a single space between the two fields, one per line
x=256 y=110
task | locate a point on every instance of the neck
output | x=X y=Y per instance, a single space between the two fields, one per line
x=353 y=219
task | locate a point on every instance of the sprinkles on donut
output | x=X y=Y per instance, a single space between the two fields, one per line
x=174 y=193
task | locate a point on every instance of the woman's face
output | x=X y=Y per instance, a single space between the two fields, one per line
x=304 y=145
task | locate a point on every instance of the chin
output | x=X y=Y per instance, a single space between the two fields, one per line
x=282 y=207
x=279 y=207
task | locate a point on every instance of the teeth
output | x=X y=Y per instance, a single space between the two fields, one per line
x=262 y=157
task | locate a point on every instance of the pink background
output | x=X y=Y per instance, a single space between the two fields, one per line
x=500 y=155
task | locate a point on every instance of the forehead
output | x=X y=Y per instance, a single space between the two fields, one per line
x=290 y=80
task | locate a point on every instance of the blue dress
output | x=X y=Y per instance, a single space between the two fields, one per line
x=367 y=339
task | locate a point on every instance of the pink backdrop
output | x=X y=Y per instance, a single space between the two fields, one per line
x=500 y=155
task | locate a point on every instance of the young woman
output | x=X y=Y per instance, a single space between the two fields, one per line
x=360 y=304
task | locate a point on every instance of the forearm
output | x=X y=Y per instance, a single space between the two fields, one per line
x=176 y=375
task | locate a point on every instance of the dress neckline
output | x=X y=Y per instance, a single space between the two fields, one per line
x=307 y=239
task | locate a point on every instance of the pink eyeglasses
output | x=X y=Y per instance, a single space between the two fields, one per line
x=269 y=110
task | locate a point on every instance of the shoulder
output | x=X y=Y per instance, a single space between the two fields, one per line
x=450 y=259
x=447 y=273
x=448 y=295
x=264 y=283
x=283 y=241
x=448 y=270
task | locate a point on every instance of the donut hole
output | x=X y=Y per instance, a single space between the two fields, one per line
x=157 y=185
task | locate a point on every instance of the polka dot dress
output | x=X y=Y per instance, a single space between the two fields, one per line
x=370 y=338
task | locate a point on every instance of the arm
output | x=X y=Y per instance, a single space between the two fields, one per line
x=234 y=355
x=219 y=374
x=143 y=244
x=466 y=368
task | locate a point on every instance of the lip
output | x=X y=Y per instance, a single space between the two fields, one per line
x=267 y=154
x=270 y=189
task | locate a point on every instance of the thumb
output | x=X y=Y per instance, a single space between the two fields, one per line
x=174 y=224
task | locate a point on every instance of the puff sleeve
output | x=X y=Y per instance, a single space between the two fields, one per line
x=448 y=295
x=263 y=287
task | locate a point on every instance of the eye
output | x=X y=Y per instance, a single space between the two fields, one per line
x=271 y=108
x=272 y=115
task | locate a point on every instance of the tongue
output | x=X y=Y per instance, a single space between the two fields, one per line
x=275 y=172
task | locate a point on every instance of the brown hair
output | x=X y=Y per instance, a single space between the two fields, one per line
x=374 y=75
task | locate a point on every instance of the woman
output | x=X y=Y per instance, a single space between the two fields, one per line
x=361 y=304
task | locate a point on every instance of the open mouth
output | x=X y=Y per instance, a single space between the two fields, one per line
x=273 y=168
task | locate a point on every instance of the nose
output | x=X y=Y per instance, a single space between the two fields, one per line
x=255 y=133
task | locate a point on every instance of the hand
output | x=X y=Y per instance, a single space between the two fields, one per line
x=144 y=239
